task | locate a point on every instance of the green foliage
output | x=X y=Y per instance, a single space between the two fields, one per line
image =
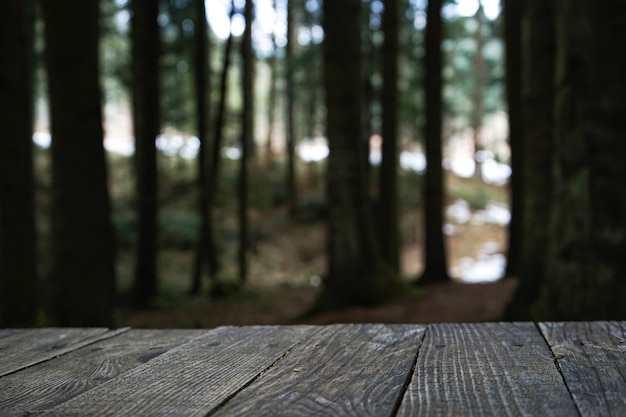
x=177 y=59
x=177 y=107
x=125 y=225
x=411 y=184
x=475 y=191
x=178 y=228
x=115 y=50
x=459 y=48
x=476 y=197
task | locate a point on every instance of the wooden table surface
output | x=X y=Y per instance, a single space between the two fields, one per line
x=499 y=369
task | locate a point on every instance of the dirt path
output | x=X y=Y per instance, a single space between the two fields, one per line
x=450 y=302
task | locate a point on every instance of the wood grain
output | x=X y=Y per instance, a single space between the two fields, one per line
x=490 y=369
x=23 y=349
x=41 y=387
x=496 y=369
x=9 y=332
x=592 y=358
x=190 y=380
x=347 y=370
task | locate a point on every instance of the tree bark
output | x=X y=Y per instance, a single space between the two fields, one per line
x=537 y=150
x=586 y=265
x=18 y=263
x=146 y=50
x=271 y=105
x=389 y=236
x=247 y=137
x=513 y=55
x=82 y=278
x=435 y=269
x=478 y=110
x=203 y=94
x=292 y=191
x=356 y=274
x=214 y=165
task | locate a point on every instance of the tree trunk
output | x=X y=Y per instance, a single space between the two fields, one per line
x=478 y=110
x=586 y=265
x=18 y=264
x=513 y=41
x=537 y=149
x=215 y=158
x=247 y=138
x=82 y=278
x=146 y=48
x=203 y=94
x=389 y=237
x=271 y=105
x=356 y=274
x=292 y=192
x=435 y=269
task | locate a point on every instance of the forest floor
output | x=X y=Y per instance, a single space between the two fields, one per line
x=436 y=303
x=287 y=261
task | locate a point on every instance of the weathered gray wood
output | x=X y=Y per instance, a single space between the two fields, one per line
x=189 y=380
x=347 y=370
x=23 y=349
x=41 y=387
x=491 y=369
x=9 y=332
x=592 y=358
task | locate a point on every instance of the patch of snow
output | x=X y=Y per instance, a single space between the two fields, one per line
x=313 y=151
x=231 y=152
x=494 y=172
x=120 y=146
x=375 y=157
x=494 y=213
x=413 y=161
x=459 y=211
x=448 y=229
x=42 y=139
x=487 y=268
x=463 y=167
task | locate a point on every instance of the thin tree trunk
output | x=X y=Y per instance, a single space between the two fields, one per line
x=271 y=106
x=513 y=41
x=215 y=157
x=18 y=263
x=388 y=188
x=479 y=90
x=369 y=98
x=203 y=94
x=82 y=277
x=435 y=269
x=146 y=49
x=292 y=193
x=246 y=139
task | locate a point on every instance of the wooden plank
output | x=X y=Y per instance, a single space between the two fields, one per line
x=27 y=348
x=10 y=332
x=192 y=379
x=41 y=387
x=490 y=369
x=342 y=370
x=592 y=359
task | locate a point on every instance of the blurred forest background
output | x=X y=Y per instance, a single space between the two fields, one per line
x=181 y=163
